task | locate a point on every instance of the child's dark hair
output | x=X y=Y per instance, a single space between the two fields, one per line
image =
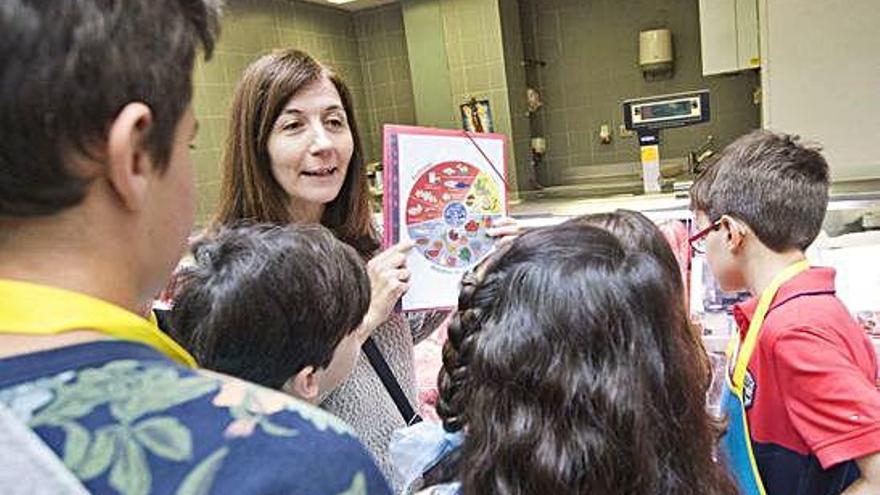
x=66 y=71
x=263 y=302
x=636 y=232
x=773 y=183
x=569 y=374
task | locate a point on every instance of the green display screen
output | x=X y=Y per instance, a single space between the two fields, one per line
x=665 y=110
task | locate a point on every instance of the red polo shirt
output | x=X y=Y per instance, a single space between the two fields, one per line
x=814 y=389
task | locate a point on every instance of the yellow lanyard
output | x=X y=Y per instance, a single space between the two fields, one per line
x=33 y=309
x=748 y=345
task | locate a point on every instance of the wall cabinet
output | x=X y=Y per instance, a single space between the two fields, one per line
x=729 y=36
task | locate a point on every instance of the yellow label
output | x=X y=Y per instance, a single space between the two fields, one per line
x=650 y=153
x=755 y=61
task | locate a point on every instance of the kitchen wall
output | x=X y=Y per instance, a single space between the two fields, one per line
x=590 y=49
x=824 y=87
x=591 y=54
x=478 y=66
x=388 y=89
x=514 y=69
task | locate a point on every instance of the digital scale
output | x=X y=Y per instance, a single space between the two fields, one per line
x=646 y=116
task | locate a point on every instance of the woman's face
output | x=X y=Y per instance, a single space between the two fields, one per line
x=309 y=148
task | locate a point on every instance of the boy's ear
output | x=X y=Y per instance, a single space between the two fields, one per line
x=128 y=163
x=735 y=231
x=304 y=384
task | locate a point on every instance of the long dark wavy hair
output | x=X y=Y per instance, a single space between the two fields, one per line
x=249 y=191
x=636 y=233
x=571 y=371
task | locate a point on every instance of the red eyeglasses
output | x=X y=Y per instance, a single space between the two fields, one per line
x=698 y=240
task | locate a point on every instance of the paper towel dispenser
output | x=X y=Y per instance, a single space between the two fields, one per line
x=655 y=50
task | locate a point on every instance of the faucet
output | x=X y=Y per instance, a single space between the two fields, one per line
x=698 y=155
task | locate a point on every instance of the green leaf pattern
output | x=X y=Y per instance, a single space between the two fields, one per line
x=26 y=398
x=165 y=437
x=135 y=394
x=99 y=454
x=130 y=473
x=200 y=480
x=358 y=485
x=167 y=390
x=131 y=392
x=76 y=443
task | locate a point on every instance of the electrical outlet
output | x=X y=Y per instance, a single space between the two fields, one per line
x=604 y=134
x=624 y=132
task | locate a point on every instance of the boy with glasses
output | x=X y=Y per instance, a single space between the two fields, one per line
x=802 y=399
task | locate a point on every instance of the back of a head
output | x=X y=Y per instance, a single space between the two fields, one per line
x=68 y=67
x=767 y=180
x=636 y=232
x=262 y=302
x=569 y=375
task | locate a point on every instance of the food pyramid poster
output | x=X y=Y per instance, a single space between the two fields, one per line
x=443 y=189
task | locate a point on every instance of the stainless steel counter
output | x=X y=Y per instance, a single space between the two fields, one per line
x=548 y=210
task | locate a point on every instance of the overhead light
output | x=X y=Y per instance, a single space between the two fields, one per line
x=337 y=2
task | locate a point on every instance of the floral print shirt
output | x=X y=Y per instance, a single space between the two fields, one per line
x=125 y=419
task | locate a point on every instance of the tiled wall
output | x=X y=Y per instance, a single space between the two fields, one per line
x=472 y=29
x=251 y=28
x=591 y=52
x=511 y=36
x=590 y=48
x=388 y=89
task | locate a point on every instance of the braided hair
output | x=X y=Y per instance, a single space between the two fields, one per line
x=568 y=373
x=462 y=330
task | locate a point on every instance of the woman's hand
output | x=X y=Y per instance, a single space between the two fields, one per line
x=389 y=280
x=504 y=230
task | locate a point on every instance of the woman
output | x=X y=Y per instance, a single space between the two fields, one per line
x=569 y=369
x=294 y=155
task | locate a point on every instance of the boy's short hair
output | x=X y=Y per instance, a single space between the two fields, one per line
x=770 y=181
x=66 y=70
x=263 y=302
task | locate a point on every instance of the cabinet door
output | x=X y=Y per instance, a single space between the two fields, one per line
x=748 y=52
x=718 y=36
x=729 y=35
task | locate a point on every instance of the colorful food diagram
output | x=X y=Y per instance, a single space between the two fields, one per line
x=448 y=211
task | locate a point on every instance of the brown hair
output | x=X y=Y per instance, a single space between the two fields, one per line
x=638 y=233
x=249 y=191
x=68 y=68
x=773 y=183
x=305 y=291
x=570 y=369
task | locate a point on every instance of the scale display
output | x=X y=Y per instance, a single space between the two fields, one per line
x=659 y=112
x=670 y=110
